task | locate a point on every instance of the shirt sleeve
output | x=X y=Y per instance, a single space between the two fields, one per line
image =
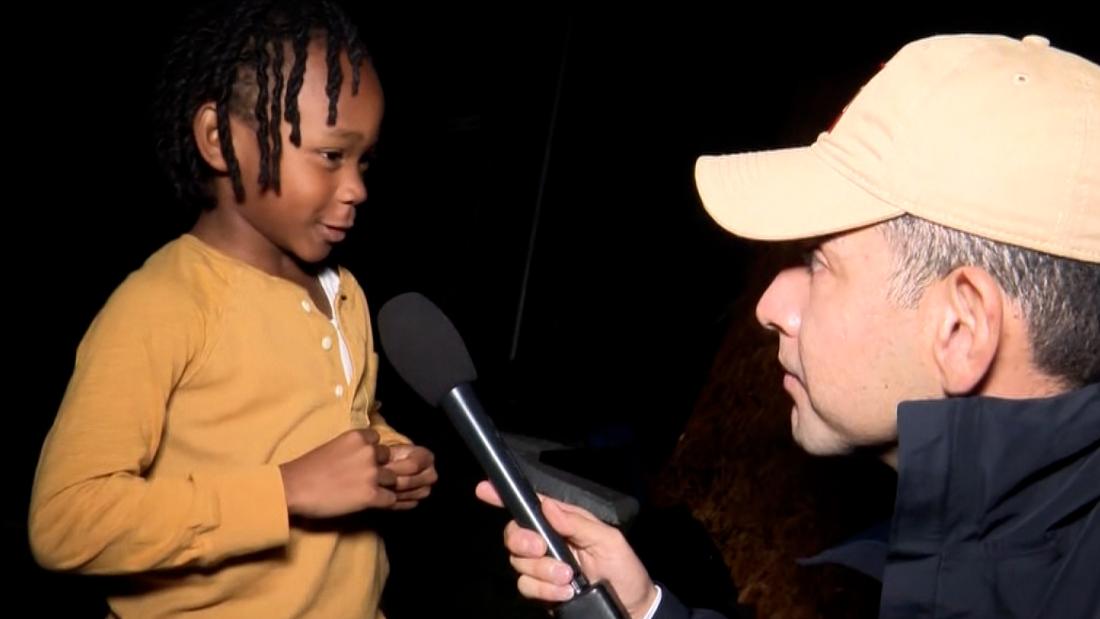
x=387 y=435
x=92 y=507
x=656 y=602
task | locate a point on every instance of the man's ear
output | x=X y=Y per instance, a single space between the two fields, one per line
x=207 y=137
x=970 y=316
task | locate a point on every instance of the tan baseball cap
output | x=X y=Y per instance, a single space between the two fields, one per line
x=986 y=134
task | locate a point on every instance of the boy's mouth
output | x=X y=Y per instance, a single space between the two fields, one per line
x=334 y=234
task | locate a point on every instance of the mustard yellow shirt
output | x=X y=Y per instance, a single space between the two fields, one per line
x=199 y=376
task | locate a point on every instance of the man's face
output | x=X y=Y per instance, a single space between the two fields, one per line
x=850 y=353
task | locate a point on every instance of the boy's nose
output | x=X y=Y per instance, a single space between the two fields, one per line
x=353 y=190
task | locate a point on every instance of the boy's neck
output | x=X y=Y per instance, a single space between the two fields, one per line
x=235 y=238
x=245 y=244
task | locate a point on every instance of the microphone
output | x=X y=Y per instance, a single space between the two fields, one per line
x=428 y=353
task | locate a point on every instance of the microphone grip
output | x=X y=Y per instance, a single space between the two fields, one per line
x=481 y=437
x=596 y=602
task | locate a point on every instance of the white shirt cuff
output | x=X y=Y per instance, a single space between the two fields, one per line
x=657 y=602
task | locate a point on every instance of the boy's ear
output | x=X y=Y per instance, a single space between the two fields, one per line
x=968 y=337
x=207 y=138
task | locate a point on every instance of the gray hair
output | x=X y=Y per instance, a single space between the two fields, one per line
x=1059 y=297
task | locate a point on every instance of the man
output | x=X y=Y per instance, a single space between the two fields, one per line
x=947 y=317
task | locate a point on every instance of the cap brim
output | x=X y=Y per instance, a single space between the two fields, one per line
x=784 y=194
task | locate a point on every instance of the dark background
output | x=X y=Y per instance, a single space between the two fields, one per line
x=543 y=154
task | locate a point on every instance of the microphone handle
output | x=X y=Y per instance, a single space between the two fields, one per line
x=481 y=437
x=590 y=601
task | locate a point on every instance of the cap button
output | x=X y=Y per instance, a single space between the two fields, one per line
x=1036 y=40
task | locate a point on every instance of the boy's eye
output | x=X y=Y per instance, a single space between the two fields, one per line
x=365 y=161
x=333 y=156
x=337 y=157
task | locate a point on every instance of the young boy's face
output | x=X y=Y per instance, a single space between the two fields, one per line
x=322 y=180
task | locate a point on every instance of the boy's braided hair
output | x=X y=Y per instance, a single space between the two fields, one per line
x=234 y=54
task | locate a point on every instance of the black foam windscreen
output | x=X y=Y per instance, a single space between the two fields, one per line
x=423 y=346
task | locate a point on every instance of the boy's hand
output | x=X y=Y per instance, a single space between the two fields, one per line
x=414 y=468
x=345 y=475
